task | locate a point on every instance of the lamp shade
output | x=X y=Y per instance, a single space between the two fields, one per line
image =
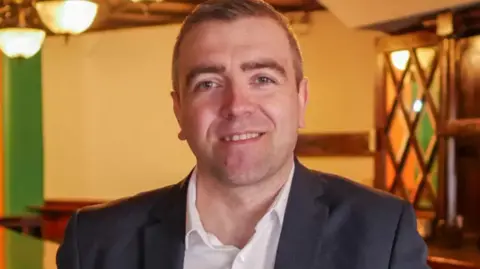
x=21 y=42
x=67 y=16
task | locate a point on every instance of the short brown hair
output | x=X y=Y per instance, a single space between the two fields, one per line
x=230 y=10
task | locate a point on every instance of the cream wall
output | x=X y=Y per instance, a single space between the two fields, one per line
x=109 y=130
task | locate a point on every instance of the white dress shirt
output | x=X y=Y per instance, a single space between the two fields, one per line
x=204 y=250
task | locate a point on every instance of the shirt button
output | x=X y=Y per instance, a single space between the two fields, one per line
x=242 y=258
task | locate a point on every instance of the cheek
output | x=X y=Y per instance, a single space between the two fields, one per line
x=198 y=120
x=283 y=110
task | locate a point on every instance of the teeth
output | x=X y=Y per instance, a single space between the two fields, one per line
x=240 y=137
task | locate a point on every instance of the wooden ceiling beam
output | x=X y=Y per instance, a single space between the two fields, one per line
x=118 y=14
x=162 y=7
x=149 y=18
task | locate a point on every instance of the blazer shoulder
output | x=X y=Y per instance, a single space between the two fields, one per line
x=360 y=196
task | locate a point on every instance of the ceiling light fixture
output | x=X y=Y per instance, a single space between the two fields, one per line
x=21 y=42
x=68 y=17
x=23 y=23
x=17 y=38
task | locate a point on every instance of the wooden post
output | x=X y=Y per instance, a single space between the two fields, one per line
x=450 y=230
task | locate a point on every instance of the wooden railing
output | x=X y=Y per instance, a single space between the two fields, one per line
x=55 y=215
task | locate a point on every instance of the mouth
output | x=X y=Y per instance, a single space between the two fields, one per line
x=242 y=137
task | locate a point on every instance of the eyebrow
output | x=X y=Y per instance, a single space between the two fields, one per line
x=202 y=69
x=247 y=66
x=264 y=64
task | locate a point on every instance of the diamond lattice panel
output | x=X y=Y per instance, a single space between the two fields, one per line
x=412 y=98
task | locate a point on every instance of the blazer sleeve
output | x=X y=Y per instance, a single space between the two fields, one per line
x=409 y=248
x=68 y=252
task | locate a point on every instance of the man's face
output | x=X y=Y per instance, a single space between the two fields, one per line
x=238 y=104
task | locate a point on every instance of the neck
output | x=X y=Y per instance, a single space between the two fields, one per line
x=231 y=213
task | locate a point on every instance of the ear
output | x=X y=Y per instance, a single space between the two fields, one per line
x=302 y=101
x=178 y=112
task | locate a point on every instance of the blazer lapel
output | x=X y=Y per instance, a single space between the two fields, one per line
x=164 y=236
x=305 y=217
x=300 y=241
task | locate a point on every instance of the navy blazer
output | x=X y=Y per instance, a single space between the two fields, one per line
x=330 y=223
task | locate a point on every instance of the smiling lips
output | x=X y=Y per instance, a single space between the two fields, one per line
x=241 y=137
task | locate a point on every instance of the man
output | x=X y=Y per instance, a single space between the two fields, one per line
x=239 y=98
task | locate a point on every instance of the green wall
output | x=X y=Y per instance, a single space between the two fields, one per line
x=23 y=151
x=22 y=138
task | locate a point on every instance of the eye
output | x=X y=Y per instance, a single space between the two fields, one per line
x=206 y=85
x=263 y=80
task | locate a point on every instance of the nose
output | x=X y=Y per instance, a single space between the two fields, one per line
x=237 y=102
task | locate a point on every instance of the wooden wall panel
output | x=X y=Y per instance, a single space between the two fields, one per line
x=334 y=145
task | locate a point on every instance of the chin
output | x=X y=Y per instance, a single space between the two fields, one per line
x=243 y=175
x=244 y=179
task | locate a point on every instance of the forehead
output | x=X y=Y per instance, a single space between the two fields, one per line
x=228 y=43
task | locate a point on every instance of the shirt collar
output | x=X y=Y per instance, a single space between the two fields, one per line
x=194 y=223
x=193 y=218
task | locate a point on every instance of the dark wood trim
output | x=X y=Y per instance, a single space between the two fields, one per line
x=380 y=123
x=442 y=119
x=462 y=127
x=466 y=131
x=444 y=263
x=407 y=41
x=451 y=180
x=334 y=145
x=466 y=256
x=466 y=21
